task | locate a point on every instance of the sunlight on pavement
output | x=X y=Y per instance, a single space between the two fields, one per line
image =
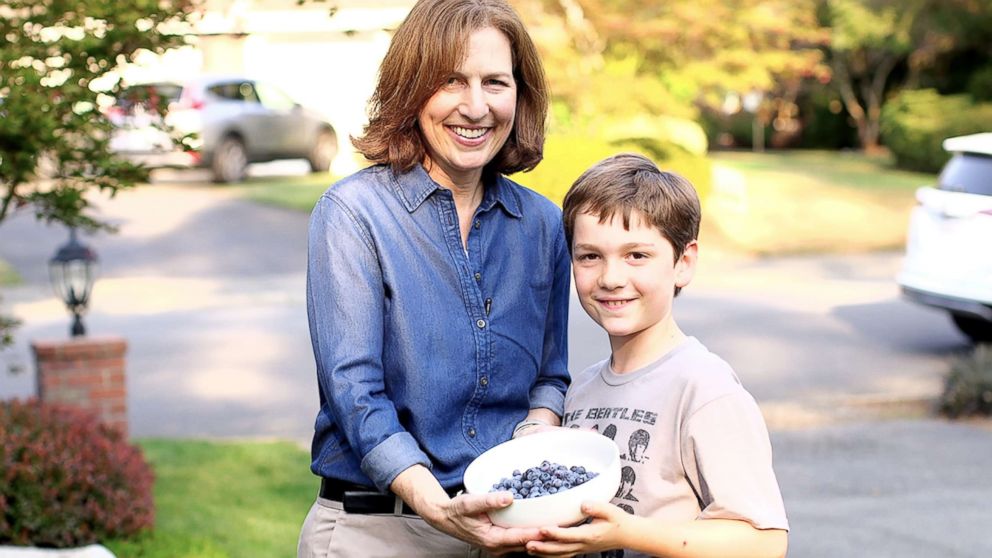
x=153 y=295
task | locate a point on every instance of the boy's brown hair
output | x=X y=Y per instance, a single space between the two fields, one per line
x=625 y=182
x=428 y=46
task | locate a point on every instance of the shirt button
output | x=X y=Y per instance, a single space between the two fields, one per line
x=478 y=276
x=484 y=381
x=481 y=323
x=471 y=433
x=478 y=223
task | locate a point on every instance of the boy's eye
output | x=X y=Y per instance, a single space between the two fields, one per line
x=638 y=255
x=585 y=257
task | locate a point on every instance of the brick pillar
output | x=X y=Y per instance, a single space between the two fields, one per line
x=86 y=372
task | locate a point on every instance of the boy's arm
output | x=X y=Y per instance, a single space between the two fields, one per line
x=704 y=538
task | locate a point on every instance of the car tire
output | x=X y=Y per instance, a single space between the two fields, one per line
x=979 y=330
x=325 y=147
x=230 y=161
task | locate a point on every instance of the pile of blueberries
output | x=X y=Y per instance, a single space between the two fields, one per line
x=547 y=478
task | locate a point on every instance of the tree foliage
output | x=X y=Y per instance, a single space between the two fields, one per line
x=57 y=68
x=879 y=46
x=58 y=62
x=672 y=57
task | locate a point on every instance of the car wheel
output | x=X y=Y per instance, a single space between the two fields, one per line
x=323 y=151
x=230 y=161
x=977 y=329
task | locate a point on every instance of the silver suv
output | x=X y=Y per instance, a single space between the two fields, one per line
x=228 y=122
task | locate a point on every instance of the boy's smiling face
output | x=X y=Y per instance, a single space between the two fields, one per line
x=626 y=279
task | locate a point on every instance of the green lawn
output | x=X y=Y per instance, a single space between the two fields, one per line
x=8 y=275
x=808 y=201
x=224 y=500
x=293 y=192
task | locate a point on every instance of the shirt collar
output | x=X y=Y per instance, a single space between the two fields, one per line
x=415 y=186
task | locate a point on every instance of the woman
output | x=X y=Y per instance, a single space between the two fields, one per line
x=437 y=292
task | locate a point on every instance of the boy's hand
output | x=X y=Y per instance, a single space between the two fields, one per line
x=604 y=532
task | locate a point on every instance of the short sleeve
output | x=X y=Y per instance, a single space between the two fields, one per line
x=728 y=458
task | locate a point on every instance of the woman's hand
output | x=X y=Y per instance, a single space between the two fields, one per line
x=465 y=516
x=604 y=532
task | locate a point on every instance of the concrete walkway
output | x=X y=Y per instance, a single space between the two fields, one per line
x=208 y=290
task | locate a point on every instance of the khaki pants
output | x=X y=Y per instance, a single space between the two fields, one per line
x=330 y=532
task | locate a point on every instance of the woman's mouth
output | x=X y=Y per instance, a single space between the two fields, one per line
x=469 y=133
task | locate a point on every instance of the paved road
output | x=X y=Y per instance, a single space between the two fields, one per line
x=208 y=290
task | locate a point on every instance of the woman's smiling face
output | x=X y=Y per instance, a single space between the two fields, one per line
x=467 y=121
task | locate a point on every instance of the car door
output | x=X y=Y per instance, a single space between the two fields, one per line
x=287 y=120
x=234 y=108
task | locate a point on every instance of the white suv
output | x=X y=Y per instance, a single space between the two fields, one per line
x=948 y=262
x=233 y=120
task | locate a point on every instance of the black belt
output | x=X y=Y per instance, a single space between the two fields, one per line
x=357 y=498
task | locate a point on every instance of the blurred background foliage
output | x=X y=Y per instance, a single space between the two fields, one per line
x=657 y=77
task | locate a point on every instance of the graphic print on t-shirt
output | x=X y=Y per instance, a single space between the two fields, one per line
x=637 y=445
x=620 y=422
x=627 y=480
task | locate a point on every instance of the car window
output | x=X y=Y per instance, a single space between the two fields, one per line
x=273 y=98
x=968 y=173
x=234 y=91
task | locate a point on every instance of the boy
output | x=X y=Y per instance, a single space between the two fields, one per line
x=701 y=479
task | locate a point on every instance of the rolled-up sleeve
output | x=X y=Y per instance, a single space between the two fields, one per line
x=552 y=380
x=345 y=303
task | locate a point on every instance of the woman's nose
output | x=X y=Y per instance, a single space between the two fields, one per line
x=474 y=105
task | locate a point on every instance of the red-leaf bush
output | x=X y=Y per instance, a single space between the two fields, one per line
x=68 y=480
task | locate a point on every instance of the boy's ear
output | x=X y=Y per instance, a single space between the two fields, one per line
x=685 y=267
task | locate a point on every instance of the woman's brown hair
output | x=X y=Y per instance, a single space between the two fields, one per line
x=428 y=46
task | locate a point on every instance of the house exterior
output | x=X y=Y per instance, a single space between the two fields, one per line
x=325 y=54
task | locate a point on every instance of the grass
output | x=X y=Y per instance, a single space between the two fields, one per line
x=292 y=192
x=791 y=202
x=8 y=275
x=224 y=500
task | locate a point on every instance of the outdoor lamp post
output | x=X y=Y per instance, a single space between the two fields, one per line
x=72 y=271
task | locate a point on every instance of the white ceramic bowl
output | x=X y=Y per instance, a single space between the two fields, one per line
x=564 y=446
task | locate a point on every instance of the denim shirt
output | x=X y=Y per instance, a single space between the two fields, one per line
x=428 y=352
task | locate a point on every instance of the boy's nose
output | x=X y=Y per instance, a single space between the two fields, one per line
x=612 y=276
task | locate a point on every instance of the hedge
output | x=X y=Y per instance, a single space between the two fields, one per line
x=915 y=124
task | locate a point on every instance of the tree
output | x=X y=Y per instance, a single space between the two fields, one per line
x=673 y=57
x=58 y=67
x=879 y=46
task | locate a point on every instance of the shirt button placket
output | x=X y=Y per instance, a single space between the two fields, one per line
x=481 y=323
x=471 y=432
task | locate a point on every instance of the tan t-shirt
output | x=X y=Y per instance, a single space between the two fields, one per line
x=693 y=443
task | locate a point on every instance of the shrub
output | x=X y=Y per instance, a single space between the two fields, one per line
x=915 y=124
x=968 y=385
x=68 y=480
x=566 y=156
